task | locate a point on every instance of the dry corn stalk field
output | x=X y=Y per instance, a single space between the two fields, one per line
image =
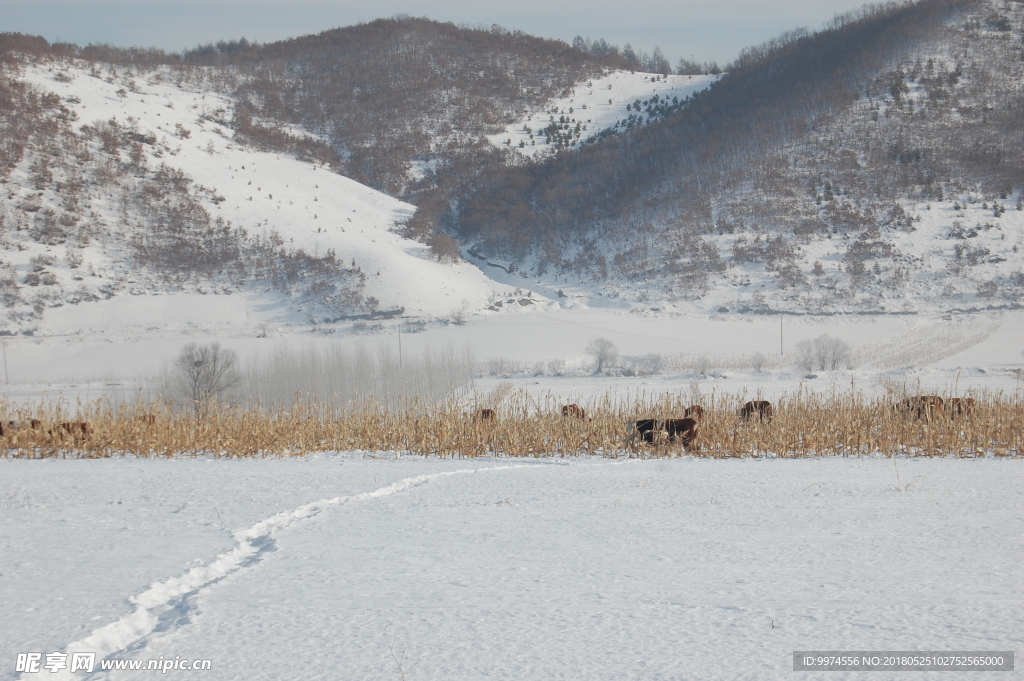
x=804 y=424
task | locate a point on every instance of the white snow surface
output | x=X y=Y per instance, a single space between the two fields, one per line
x=510 y=569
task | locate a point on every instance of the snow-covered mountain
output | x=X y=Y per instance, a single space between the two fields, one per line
x=141 y=182
x=173 y=177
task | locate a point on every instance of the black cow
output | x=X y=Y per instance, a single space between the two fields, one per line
x=674 y=430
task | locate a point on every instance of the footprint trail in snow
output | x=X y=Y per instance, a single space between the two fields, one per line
x=165 y=604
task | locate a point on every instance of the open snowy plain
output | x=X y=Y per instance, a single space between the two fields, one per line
x=551 y=569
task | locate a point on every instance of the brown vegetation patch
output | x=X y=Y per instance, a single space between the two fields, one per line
x=803 y=425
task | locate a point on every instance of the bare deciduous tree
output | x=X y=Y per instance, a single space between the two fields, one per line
x=461 y=312
x=205 y=373
x=823 y=353
x=758 y=361
x=604 y=353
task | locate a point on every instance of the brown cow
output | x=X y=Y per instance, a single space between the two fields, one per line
x=924 y=407
x=485 y=415
x=574 y=410
x=960 y=406
x=78 y=430
x=13 y=426
x=695 y=411
x=681 y=430
x=762 y=408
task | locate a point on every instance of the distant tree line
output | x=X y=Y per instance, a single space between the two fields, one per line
x=626 y=58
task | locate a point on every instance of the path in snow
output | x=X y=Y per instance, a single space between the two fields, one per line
x=165 y=605
x=665 y=569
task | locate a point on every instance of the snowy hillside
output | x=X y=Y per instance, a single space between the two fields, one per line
x=872 y=167
x=291 y=203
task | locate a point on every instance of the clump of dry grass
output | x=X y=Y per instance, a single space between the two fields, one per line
x=804 y=424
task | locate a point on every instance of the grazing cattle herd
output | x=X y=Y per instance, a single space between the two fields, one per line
x=76 y=432
x=651 y=431
x=685 y=431
x=12 y=427
x=932 y=407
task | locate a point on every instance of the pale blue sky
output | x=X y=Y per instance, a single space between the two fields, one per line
x=705 y=29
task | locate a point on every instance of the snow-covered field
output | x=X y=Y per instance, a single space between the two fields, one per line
x=507 y=569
